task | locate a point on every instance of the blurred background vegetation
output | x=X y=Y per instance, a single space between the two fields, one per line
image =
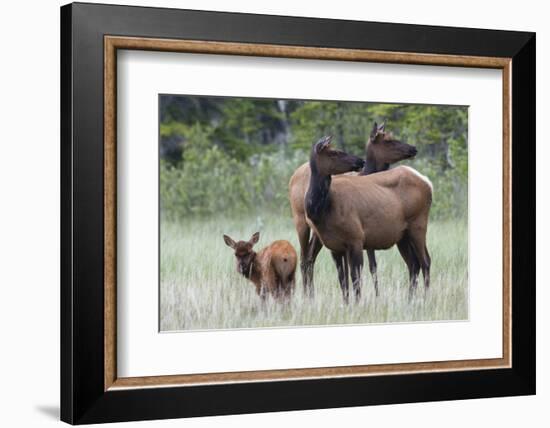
x=235 y=156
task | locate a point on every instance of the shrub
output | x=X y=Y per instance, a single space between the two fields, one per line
x=214 y=184
x=209 y=182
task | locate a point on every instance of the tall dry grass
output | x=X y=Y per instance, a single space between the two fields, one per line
x=200 y=288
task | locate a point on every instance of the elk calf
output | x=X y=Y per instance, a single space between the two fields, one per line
x=271 y=270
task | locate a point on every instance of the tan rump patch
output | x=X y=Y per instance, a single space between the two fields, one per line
x=421 y=176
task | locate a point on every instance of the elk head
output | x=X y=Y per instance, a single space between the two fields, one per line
x=327 y=160
x=243 y=252
x=384 y=149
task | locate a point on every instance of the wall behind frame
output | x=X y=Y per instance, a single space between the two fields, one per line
x=29 y=220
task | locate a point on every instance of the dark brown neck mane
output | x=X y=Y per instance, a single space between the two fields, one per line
x=317 y=197
x=372 y=164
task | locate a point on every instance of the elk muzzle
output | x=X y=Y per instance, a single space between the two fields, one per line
x=412 y=152
x=359 y=164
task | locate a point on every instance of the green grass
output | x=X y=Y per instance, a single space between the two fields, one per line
x=200 y=288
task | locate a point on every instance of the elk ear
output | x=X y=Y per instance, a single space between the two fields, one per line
x=229 y=242
x=374 y=131
x=323 y=143
x=382 y=127
x=255 y=238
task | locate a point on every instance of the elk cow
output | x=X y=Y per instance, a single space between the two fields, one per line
x=272 y=269
x=382 y=150
x=352 y=213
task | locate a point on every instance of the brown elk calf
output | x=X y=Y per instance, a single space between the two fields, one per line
x=352 y=213
x=272 y=269
x=382 y=150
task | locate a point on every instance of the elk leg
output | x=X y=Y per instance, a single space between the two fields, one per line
x=313 y=249
x=278 y=288
x=372 y=267
x=355 y=259
x=426 y=270
x=291 y=283
x=418 y=241
x=345 y=262
x=270 y=285
x=288 y=288
x=407 y=252
x=262 y=292
x=341 y=267
x=303 y=237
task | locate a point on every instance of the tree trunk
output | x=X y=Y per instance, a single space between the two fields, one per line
x=340 y=127
x=285 y=121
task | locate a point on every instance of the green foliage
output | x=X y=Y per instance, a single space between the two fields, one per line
x=349 y=123
x=172 y=129
x=209 y=182
x=450 y=193
x=236 y=155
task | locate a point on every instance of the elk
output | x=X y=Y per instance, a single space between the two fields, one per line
x=272 y=269
x=350 y=214
x=382 y=150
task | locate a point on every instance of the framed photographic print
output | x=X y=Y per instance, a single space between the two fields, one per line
x=265 y=213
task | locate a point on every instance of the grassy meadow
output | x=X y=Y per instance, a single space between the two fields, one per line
x=225 y=165
x=201 y=289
